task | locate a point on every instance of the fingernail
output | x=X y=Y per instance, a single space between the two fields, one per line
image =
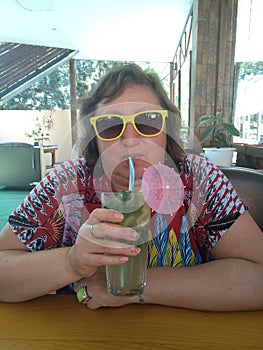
x=118 y=216
x=135 y=234
x=135 y=250
x=124 y=258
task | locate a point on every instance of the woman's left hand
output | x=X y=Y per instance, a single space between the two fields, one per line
x=97 y=291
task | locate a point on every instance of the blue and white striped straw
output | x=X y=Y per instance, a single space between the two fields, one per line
x=132 y=174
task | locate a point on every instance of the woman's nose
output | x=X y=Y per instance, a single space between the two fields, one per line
x=130 y=135
x=130 y=132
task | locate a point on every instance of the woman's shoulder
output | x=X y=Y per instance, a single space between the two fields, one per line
x=72 y=163
x=196 y=168
x=78 y=165
x=70 y=173
x=194 y=163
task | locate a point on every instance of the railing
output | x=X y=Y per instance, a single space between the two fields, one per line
x=183 y=51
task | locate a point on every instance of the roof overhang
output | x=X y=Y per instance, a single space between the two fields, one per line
x=21 y=65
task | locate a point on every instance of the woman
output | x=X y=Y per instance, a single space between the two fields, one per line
x=51 y=240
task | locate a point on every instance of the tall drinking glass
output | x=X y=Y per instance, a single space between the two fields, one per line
x=130 y=278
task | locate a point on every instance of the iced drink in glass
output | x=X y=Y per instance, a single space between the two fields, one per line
x=130 y=278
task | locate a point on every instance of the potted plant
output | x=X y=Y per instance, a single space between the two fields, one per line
x=218 y=137
x=39 y=136
x=40 y=132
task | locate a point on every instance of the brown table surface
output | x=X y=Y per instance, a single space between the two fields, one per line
x=59 y=322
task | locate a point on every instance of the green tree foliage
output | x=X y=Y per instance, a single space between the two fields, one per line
x=248 y=68
x=53 y=91
x=89 y=72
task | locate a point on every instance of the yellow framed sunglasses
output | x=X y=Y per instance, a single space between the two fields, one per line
x=110 y=127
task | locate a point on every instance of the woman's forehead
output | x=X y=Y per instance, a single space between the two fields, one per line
x=134 y=98
x=126 y=108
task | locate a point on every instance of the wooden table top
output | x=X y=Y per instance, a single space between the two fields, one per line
x=57 y=322
x=50 y=147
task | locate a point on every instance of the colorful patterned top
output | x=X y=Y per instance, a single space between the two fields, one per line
x=53 y=212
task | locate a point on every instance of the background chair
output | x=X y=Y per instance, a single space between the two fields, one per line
x=21 y=165
x=249 y=185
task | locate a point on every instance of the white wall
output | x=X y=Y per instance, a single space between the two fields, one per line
x=14 y=125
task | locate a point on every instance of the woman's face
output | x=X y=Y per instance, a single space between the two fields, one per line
x=144 y=150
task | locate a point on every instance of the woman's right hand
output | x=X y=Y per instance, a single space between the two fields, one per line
x=97 y=243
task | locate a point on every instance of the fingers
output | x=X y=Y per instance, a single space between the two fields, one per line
x=84 y=262
x=109 y=215
x=106 y=245
x=101 y=241
x=103 y=260
x=102 y=225
x=108 y=234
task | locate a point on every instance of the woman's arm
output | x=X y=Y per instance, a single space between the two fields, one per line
x=233 y=281
x=25 y=275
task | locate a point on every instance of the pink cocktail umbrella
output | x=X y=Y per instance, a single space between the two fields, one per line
x=162 y=189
